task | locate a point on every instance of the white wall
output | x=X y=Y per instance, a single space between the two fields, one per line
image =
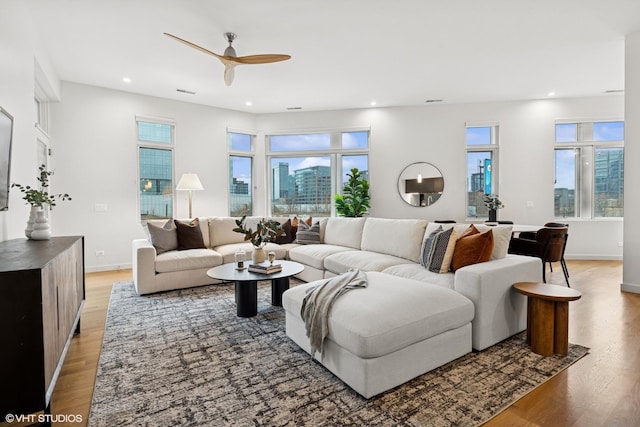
x=631 y=268
x=95 y=155
x=436 y=134
x=95 y=150
x=19 y=50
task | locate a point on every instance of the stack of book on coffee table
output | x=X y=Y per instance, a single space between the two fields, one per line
x=265 y=268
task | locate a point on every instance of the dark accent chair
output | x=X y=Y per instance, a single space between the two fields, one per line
x=548 y=244
x=531 y=235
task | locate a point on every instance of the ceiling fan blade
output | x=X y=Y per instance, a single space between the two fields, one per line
x=229 y=73
x=195 y=46
x=259 y=59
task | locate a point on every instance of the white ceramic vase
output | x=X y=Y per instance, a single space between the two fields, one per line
x=41 y=228
x=258 y=255
x=31 y=221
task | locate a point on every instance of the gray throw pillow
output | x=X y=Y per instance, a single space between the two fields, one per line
x=308 y=235
x=163 y=238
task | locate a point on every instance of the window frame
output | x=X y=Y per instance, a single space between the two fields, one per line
x=335 y=153
x=250 y=154
x=494 y=148
x=585 y=147
x=159 y=146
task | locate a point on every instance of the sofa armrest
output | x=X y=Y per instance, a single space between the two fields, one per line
x=144 y=266
x=500 y=311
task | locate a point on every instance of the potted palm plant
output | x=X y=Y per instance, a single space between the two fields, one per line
x=38 y=224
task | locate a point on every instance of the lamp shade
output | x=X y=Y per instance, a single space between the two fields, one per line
x=189 y=181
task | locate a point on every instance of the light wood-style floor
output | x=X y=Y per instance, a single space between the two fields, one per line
x=602 y=389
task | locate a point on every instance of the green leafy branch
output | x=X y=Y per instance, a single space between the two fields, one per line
x=40 y=197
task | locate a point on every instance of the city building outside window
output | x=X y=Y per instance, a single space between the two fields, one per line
x=155 y=168
x=308 y=170
x=482 y=166
x=589 y=169
x=240 y=146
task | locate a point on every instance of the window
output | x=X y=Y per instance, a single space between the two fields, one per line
x=155 y=169
x=240 y=147
x=307 y=170
x=482 y=167
x=589 y=170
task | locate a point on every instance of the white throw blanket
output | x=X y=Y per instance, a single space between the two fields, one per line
x=318 y=301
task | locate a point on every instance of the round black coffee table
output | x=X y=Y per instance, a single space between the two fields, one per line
x=246 y=284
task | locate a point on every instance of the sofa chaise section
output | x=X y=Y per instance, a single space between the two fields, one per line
x=387 y=333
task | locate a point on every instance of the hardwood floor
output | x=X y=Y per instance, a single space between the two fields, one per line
x=602 y=389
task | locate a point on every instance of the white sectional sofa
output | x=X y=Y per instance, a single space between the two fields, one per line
x=389 y=246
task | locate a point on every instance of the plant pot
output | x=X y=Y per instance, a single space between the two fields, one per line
x=258 y=255
x=493 y=215
x=41 y=228
x=31 y=221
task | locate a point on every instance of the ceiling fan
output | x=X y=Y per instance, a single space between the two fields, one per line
x=230 y=59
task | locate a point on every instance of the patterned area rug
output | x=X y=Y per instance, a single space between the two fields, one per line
x=185 y=358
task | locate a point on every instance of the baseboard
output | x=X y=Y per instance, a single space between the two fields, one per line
x=593 y=257
x=99 y=268
x=630 y=287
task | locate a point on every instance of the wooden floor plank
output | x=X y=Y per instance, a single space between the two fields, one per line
x=602 y=389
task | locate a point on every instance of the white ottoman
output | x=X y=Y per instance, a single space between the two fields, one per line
x=383 y=335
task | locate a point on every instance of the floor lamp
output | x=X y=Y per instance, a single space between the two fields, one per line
x=189 y=182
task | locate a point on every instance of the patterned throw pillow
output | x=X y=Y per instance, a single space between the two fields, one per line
x=308 y=235
x=437 y=250
x=163 y=238
x=189 y=235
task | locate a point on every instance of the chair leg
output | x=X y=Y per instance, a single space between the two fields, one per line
x=564 y=266
x=544 y=273
x=565 y=270
x=551 y=267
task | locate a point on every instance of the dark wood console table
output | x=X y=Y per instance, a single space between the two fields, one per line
x=41 y=297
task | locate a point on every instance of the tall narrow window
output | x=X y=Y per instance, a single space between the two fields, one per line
x=589 y=181
x=240 y=147
x=482 y=170
x=155 y=169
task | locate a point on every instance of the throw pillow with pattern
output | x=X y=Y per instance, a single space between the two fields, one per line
x=308 y=235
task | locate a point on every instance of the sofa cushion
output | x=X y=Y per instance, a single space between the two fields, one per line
x=437 y=250
x=308 y=235
x=398 y=237
x=472 y=249
x=190 y=259
x=221 y=231
x=342 y=231
x=314 y=255
x=364 y=260
x=163 y=237
x=501 y=238
x=391 y=313
x=287 y=237
x=417 y=272
x=189 y=235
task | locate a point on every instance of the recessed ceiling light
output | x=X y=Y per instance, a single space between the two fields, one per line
x=248 y=103
x=551 y=94
x=373 y=103
x=126 y=79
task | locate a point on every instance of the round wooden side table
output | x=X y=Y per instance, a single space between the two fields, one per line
x=547 y=316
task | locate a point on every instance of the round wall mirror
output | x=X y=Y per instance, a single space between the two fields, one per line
x=420 y=184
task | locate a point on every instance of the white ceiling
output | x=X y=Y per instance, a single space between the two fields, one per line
x=345 y=53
